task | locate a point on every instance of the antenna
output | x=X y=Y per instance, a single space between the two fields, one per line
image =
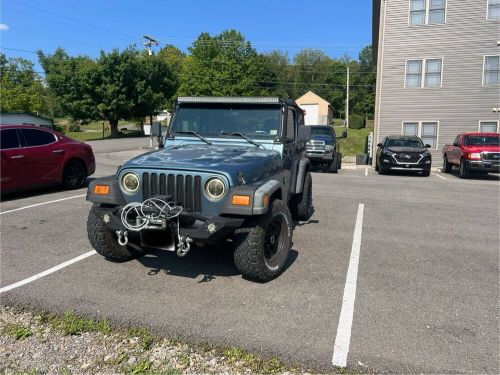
x=149 y=43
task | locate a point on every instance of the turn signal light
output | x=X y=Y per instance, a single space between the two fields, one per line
x=266 y=199
x=240 y=200
x=101 y=189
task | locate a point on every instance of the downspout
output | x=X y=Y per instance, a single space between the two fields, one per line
x=376 y=134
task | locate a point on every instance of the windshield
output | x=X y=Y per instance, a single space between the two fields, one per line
x=255 y=121
x=486 y=140
x=321 y=131
x=413 y=143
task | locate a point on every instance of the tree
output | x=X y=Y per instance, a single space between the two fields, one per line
x=117 y=85
x=223 y=65
x=21 y=88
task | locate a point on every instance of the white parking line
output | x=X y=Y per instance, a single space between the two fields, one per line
x=366 y=172
x=343 y=339
x=435 y=174
x=47 y=272
x=41 y=204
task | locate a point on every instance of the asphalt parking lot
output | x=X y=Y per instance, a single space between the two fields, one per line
x=425 y=299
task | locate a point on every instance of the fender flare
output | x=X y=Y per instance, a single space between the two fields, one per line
x=304 y=165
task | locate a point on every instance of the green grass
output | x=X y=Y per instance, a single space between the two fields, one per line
x=257 y=364
x=355 y=142
x=17 y=331
x=91 y=136
x=72 y=324
x=141 y=367
x=146 y=341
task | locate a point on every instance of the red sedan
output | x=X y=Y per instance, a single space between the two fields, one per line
x=35 y=157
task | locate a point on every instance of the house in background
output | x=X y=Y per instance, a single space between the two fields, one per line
x=13 y=118
x=438 y=68
x=318 y=110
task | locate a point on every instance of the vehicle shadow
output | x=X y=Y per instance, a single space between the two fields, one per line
x=476 y=176
x=206 y=263
x=402 y=173
x=35 y=192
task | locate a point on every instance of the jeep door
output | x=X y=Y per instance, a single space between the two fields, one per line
x=291 y=152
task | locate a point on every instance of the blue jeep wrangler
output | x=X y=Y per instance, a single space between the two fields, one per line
x=231 y=169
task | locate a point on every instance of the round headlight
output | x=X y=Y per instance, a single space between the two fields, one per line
x=215 y=188
x=130 y=182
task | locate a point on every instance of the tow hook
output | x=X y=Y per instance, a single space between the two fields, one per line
x=184 y=246
x=122 y=237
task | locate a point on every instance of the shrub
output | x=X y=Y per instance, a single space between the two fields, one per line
x=357 y=121
x=74 y=126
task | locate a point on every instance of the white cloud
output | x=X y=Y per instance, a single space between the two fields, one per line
x=4 y=26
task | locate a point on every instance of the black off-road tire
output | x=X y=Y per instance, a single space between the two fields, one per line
x=446 y=165
x=251 y=243
x=105 y=242
x=340 y=160
x=463 y=172
x=74 y=174
x=334 y=164
x=301 y=204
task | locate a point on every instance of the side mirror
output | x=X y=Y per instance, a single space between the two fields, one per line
x=304 y=133
x=428 y=146
x=380 y=145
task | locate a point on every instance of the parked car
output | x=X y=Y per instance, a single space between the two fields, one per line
x=232 y=169
x=478 y=152
x=323 y=148
x=35 y=157
x=403 y=153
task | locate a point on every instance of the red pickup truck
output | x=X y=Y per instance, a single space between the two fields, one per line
x=479 y=152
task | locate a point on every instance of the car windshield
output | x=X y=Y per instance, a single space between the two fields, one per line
x=414 y=143
x=485 y=140
x=321 y=131
x=255 y=121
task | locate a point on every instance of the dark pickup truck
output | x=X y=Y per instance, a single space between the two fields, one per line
x=323 y=148
x=473 y=152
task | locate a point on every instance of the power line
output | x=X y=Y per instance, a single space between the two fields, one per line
x=72 y=19
x=18 y=50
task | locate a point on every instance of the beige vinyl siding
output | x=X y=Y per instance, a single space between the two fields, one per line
x=462 y=43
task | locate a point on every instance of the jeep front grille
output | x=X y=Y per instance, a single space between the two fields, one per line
x=185 y=190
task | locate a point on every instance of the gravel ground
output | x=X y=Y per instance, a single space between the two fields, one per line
x=48 y=344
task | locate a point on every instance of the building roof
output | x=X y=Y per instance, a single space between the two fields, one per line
x=319 y=98
x=25 y=113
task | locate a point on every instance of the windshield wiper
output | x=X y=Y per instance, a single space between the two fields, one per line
x=197 y=135
x=242 y=136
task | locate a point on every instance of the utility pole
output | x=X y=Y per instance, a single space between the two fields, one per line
x=149 y=43
x=347 y=101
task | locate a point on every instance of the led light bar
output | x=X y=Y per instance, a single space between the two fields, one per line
x=228 y=99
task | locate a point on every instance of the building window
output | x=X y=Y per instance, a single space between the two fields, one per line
x=488 y=126
x=433 y=73
x=427 y=130
x=428 y=12
x=410 y=128
x=429 y=133
x=493 y=9
x=491 y=70
x=424 y=73
x=414 y=73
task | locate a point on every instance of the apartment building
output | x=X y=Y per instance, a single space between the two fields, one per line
x=438 y=68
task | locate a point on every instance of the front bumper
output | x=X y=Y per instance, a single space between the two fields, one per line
x=389 y=162
x=319 y=155
x=199 y=228
x=483 y=166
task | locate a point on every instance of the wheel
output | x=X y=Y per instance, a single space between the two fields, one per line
x=74 y=174
x=301 y=204
x=376 y=165
x=334 y=164
x=381 y=170
x=463 y=172
x=426 y=172
x=446 y=165
x=104 y=241
x=262 y=249
x=340 y=160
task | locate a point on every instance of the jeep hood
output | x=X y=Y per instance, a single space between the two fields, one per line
x=251 y=163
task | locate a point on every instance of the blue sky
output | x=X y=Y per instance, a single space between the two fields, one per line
x=84 y=27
